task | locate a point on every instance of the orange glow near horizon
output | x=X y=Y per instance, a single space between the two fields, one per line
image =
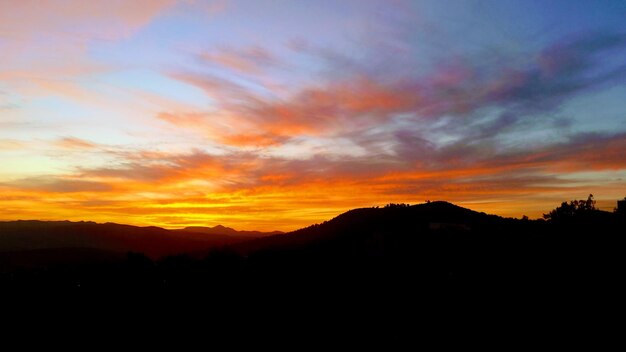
x=278 y=207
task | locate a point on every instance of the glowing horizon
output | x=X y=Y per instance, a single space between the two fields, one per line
x=274 y=115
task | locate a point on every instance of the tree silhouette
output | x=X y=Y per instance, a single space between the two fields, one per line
x=621 y=207
x=572 y=209
x=396 y=205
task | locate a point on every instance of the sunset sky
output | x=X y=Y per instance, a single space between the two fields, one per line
x=279 y=114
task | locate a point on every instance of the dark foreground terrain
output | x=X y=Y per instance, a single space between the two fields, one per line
x=399 y=249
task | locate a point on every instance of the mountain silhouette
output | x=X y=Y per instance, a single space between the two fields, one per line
x=439 y=244
x=436 y=245
x=48 y=237
x=365 y=224
x=228 y=231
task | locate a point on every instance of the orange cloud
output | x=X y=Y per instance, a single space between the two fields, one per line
x=105 y=19
x=74 y=143
x=10 y=144
x=185 y=119
x=251 y=60
x=248 y=119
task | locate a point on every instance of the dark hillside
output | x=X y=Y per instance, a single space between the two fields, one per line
x=434 y=246
x=155 y=242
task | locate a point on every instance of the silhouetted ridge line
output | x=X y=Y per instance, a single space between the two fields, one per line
x=227 y=231
x=154 y=241
x=410 y=219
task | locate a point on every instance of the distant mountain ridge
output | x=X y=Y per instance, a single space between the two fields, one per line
x=29 y=235
x=228 y=231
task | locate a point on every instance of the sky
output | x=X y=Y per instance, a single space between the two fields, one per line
x=274 y=115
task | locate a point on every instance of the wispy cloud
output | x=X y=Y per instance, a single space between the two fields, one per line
x=10 y=144
x=252 y=60
x=74 y=143
x=55 y=184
